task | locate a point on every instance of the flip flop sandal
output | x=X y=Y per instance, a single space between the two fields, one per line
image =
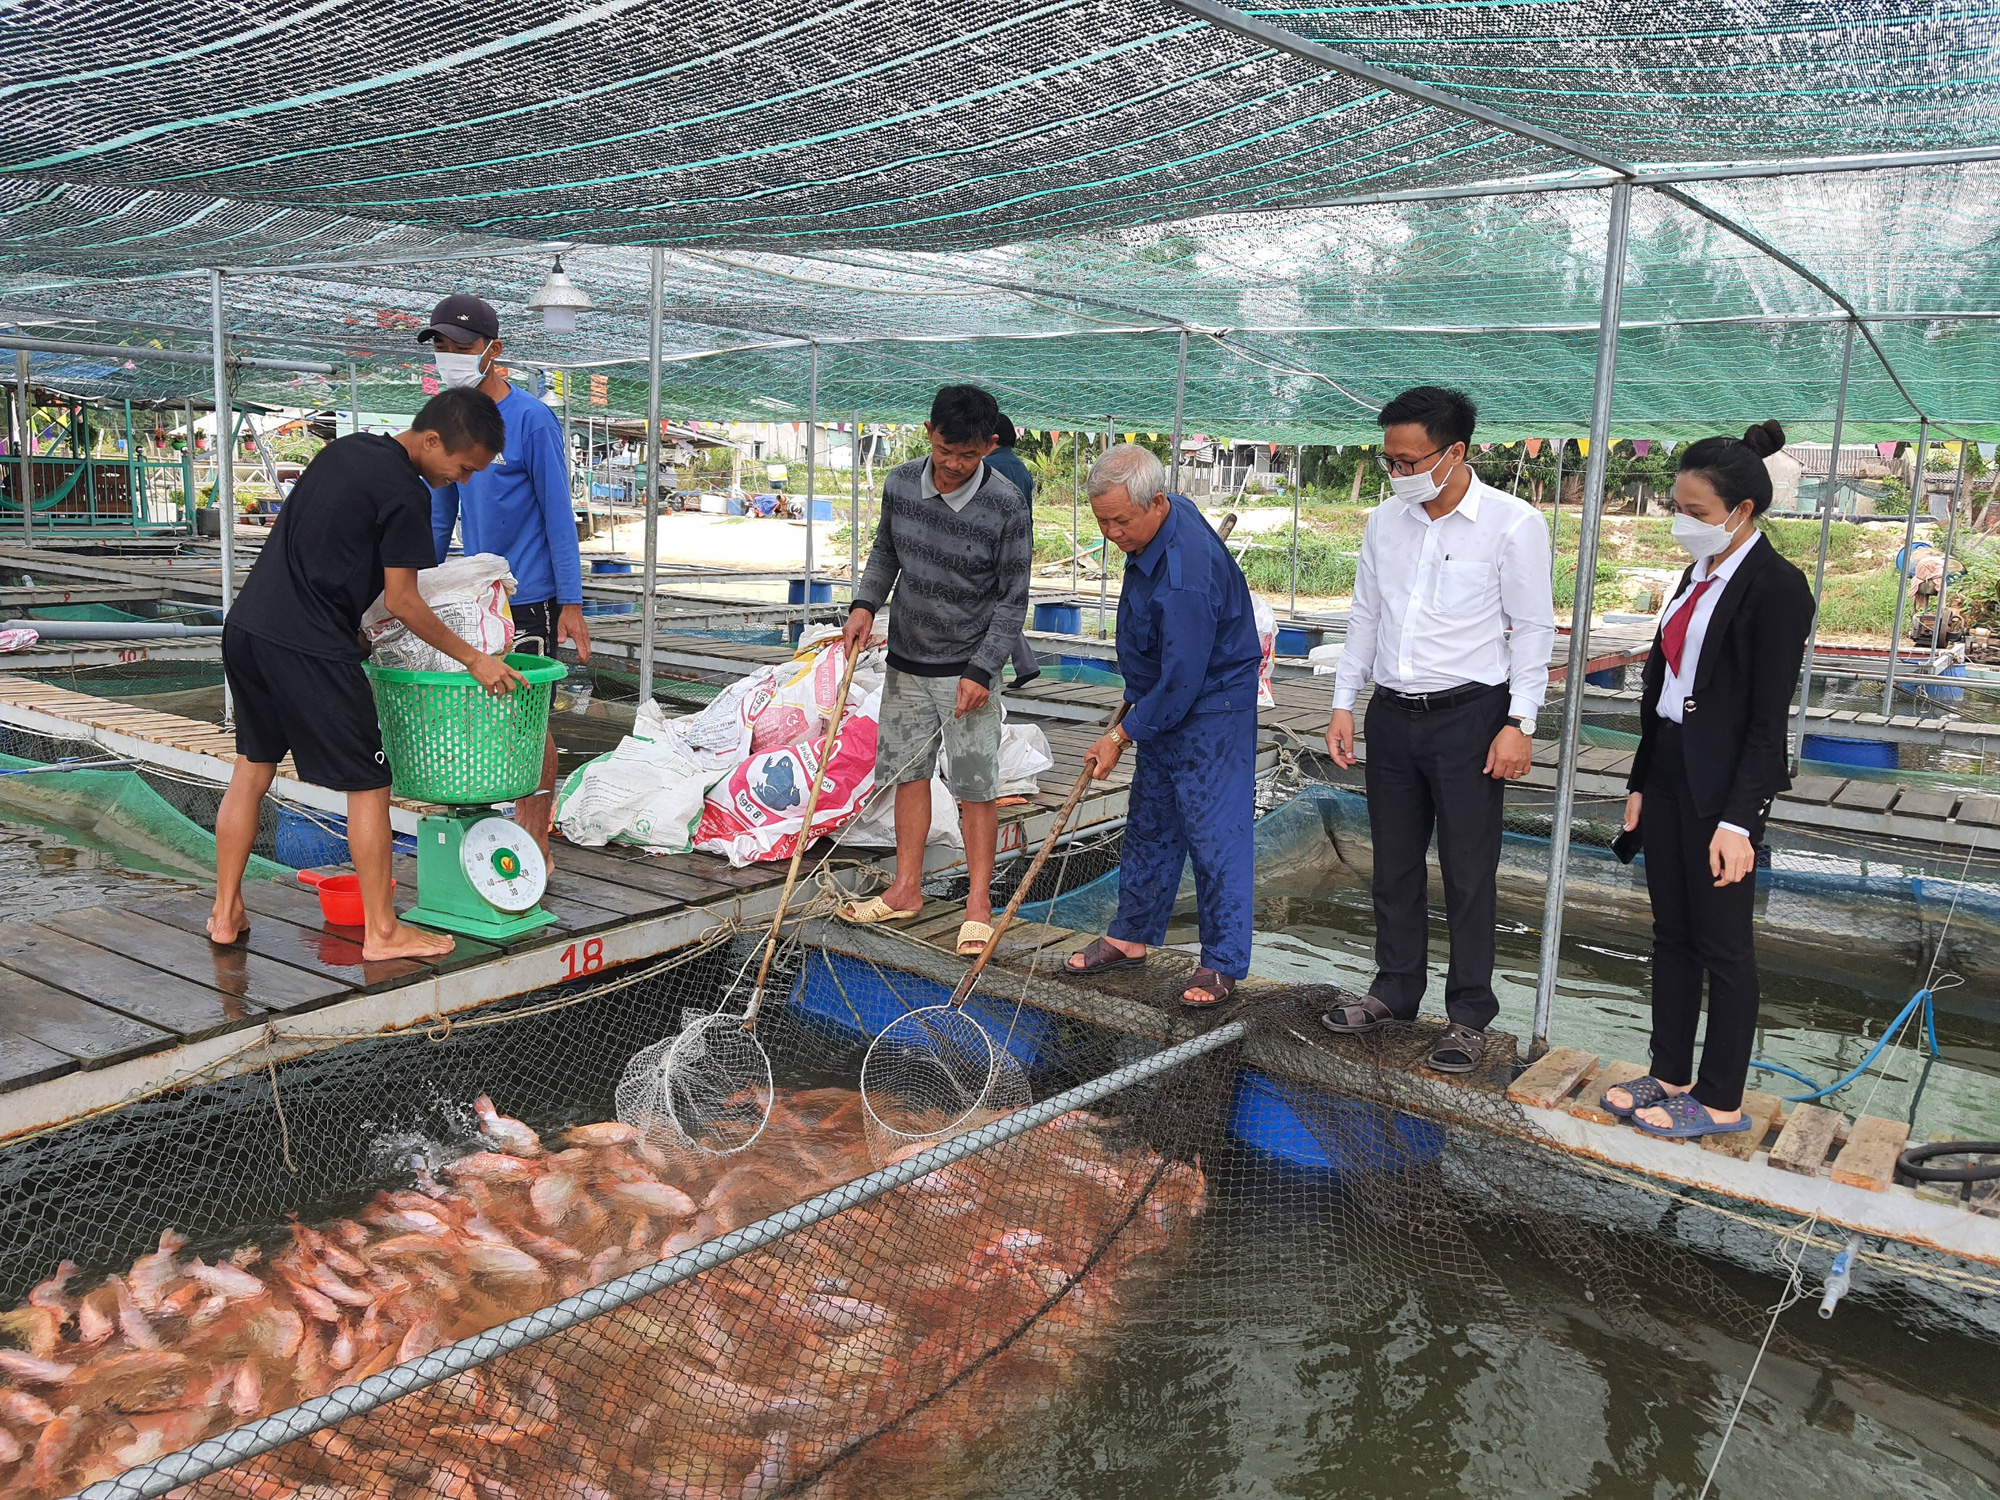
x=875 y=909
x=1217 y=986
x=1459 y=1052
x=1100 y=956
x=1691 y=1120
x=972 y=939
x=1646 y=1092
x=1374 y=1013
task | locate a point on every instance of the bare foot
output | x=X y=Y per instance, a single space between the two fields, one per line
x=227 y=926
x=405 y=941
x=904 y=897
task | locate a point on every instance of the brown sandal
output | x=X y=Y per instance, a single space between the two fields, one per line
x=1217 y=986
x=1100 y=956
x=1373 y=1011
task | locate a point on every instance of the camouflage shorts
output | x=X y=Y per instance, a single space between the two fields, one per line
x=906 y=746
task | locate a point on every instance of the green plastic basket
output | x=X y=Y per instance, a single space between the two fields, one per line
x=449 y=740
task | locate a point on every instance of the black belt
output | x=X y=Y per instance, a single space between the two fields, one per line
x=1430 y=703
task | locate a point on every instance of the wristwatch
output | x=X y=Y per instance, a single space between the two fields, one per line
x=1118 y=733
x=1525 y=725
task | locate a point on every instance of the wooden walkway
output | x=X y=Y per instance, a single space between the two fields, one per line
x=1793 y=1162
x=101 y=1004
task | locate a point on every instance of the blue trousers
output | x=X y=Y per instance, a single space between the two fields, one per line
x=1194 y=793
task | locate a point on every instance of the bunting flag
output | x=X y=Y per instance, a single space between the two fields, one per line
x=600 y=390
x=1534 y=447
x=1131 y=437
x=1985 y=451
x=1583 y=446
x=1642 y=446
x=430 y=385
x=1887 y=450
x=558 y=383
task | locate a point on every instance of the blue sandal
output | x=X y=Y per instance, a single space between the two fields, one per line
x=1646 y=1091
x=1691 y=1120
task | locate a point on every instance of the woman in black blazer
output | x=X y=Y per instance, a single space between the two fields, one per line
x=1718 y=690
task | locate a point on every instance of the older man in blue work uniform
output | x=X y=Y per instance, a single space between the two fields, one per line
x=1188 y=649
x=519 y=508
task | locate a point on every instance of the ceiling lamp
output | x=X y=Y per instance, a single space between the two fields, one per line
x=559 y=300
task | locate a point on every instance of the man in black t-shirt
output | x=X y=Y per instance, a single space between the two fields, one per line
x=357 y=525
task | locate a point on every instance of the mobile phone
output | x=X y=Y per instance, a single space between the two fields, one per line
x=1626 y=845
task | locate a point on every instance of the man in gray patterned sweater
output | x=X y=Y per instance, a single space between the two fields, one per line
x=954 y=546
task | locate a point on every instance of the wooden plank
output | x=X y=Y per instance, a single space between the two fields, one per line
x=714 y=868
x=1762 y=1111
x=1868 y=1160
x=89 y=1034
x=569 y=885
x=104 y=974
x=1604 y=1076
x=1550 y=1078
x=638 y=872
x=285 y=902
x=1982 y=812
x=1923 y=804
x=23 y=1061
x=1867 y=796
x=234 y=971
x=1815 y=790
x=333 y=954
x=1802 y=1144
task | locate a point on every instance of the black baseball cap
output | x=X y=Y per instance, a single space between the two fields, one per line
x=460 y=319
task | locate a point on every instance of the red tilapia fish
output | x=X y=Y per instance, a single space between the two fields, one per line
x=883 y=1341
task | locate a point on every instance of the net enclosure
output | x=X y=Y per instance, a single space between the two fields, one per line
x=1334 y=202
x=434 y=1263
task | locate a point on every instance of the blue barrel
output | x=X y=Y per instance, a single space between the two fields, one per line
x=853 y=1000
x=1298 y=640
x=1345 y=1135
x=1610 y=677
x=1844 y=750
x=1059 y=619
x=822 y=509
x=1948 y=694
x=735 y=506
x=610 y=565
x=1906 y=557
x=796 y=592
x=306 y=841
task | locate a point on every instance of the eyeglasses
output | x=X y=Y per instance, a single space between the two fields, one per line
x=1403 y=468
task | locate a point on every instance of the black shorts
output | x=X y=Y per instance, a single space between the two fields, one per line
x=320 y=711
x=537 y=620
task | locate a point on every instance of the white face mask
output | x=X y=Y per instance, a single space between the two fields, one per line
x=459 y=369
x=1416 y=489
x=1701 y=539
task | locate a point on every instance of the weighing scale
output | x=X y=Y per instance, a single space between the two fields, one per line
x=478 y=874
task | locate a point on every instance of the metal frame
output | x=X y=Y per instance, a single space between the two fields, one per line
x=812 y=476
x=1180 y=408
x=1827 y=502
x=1579 y=636
x=649 y=604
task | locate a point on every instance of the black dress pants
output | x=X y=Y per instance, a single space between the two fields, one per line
x=1427 y=771
x=1697 y=928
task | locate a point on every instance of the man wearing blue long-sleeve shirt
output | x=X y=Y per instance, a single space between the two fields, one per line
x=1188 y=650
x=519 y=508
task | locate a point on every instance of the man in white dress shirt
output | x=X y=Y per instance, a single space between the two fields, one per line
x=1454 y=622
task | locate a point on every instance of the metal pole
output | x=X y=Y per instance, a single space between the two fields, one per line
x=187 y=463
x=649 y=603
x=1298 y=483
x=25 y=399
x=1944 y=579
x=1180 y=406
x=854 y=511
x=1903 y=569
x=353 y=396
x=1103 y=561
x=225 y=461
x=812 y=474
x=1826 y=503
x=1579 y=630
x=1555 y=516
x=1075 y=511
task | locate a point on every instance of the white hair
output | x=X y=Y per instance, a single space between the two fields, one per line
x=1134 y=468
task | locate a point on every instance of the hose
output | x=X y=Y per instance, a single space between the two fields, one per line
x=1921 y=998
x=113 y=630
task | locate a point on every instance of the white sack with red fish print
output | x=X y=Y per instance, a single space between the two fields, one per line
x=757 y=812
x=1267 y=642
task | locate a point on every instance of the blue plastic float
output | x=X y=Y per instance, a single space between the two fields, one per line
x=852 y=1000
x=1353 y=1136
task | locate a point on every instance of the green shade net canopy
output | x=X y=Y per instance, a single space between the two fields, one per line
x=1038 y=198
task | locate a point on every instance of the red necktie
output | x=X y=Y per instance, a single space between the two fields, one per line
x=1674 y=634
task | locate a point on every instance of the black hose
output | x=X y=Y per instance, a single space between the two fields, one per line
x=1912 y=1164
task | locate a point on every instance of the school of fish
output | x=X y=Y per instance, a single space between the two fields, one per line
x=894 y=1335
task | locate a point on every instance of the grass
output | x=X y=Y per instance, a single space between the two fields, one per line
x=1859 y=604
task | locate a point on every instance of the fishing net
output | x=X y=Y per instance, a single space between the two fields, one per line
x=442 y=1295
